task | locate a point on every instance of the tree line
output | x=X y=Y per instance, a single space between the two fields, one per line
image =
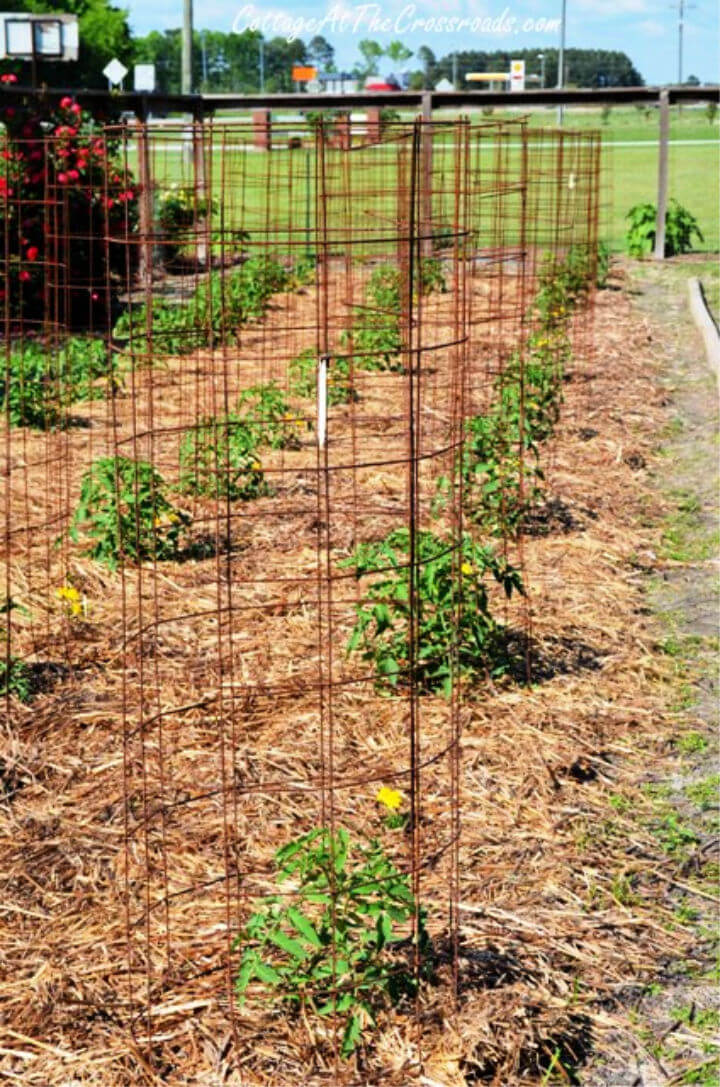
x=232 y=63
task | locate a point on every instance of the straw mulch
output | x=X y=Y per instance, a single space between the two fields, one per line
x=564 y=907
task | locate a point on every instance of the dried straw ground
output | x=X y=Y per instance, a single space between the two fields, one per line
x=549 y=941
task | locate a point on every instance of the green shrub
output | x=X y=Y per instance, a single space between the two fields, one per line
x=124 y=508
x=338 y=939
x=456 y=634
x=680 y=228
x=40 y=381
x=58 y=147
x=219 y=459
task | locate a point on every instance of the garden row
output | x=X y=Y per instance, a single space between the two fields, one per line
x=341 y=946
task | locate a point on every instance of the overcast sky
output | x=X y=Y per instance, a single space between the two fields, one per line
x=647 y=30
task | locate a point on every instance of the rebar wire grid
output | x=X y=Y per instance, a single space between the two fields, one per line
x=251 y=538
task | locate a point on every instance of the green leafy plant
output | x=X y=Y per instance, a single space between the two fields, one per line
x=40 y=380
x=432 y=276
x=219 y=307
x=564 y=280
x=268 y=417
x=376 y=337
x=303 y=377
x=500 y=459
x=340 y=944
x=680 y=228
x=15 y=676
x=501 y=470
x=375 y=341
x=457 y=635
x=15 y=679
x=177 y=209
x=219 y=459
x=602 y=265
x=125 y=510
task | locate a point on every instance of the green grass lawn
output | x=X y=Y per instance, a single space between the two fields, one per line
x=627 y=122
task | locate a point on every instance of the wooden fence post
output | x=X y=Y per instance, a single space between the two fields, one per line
x=262 y=129
x=662 y=199
x=145 y=268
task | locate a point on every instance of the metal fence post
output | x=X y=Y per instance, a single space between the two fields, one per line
x=426 y=176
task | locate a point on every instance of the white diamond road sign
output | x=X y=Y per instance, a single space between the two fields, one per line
x=115 y=71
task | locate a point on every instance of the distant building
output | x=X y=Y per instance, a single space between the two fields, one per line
x=444 y=85
x=382 y=83
x=335 y=83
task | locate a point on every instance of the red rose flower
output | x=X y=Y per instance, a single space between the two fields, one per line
x=62 y=178
x=24 y=276
x=73 y=175
x=66 y=102
x=32 y=253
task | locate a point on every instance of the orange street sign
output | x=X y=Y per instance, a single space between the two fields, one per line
x=303 y=75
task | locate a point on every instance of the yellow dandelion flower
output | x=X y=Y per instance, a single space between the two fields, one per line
x=72 y=599
x=68 y=593
x=467 y=568
x=389 y=798
x=257 y=466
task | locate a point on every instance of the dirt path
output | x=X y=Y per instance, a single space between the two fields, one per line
x=678 y=1019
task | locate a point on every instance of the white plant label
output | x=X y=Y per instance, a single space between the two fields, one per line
x=322 y=376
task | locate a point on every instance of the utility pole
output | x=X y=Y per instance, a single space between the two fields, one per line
x=204 y=61
x=262 y=65
x=454 y=70
x=541 y=58
x=561 y=60
x=682 y=6
x=186 y=81
x=681 y=13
